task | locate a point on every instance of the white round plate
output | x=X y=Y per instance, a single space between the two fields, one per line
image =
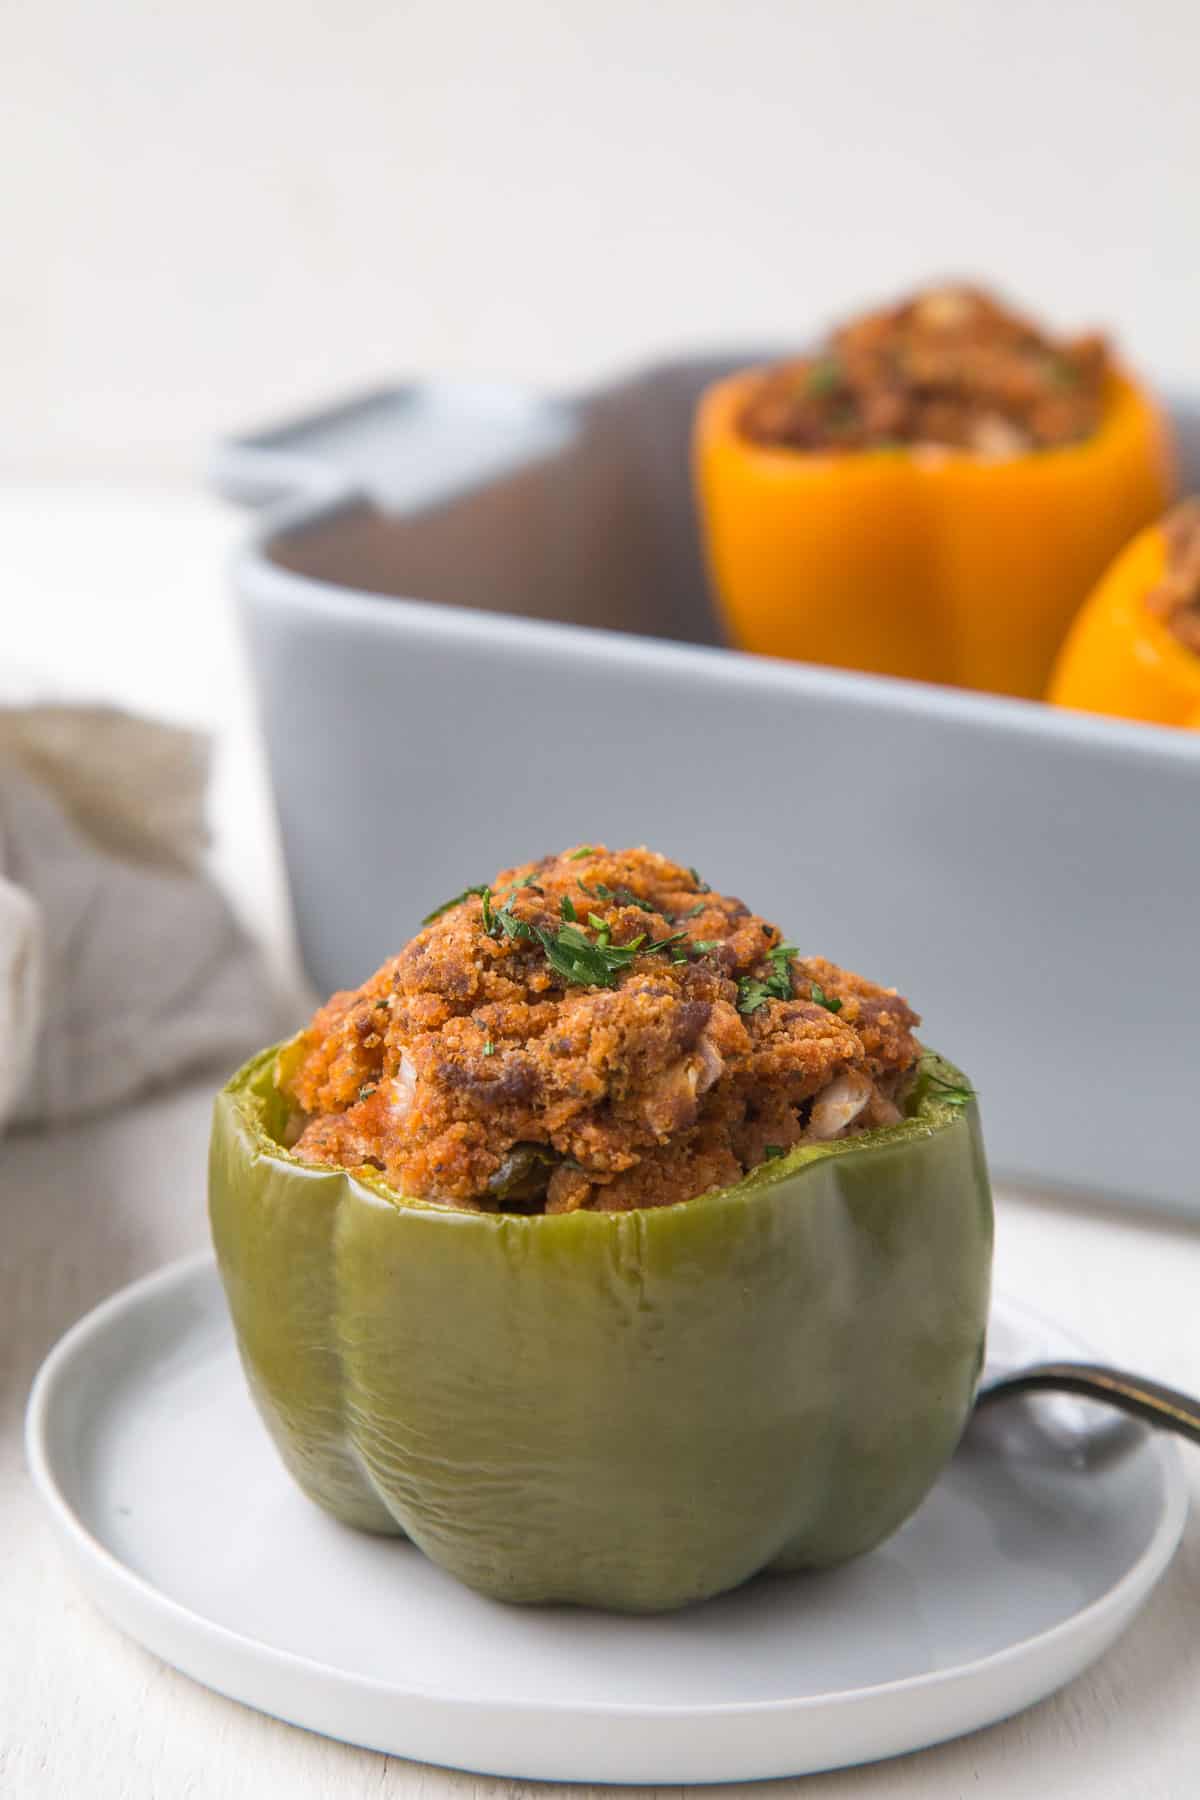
x=1024 y=1563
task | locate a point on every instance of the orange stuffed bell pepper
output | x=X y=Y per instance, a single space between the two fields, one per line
x=1134 y=650
x=932 y=495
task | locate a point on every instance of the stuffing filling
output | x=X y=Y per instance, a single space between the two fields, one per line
x=597 y=1029
x=1176 y=598
x=949 y=369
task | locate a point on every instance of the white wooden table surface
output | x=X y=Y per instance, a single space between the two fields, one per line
x=121 y=594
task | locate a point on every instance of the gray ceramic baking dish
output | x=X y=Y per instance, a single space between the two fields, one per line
x=480 y=630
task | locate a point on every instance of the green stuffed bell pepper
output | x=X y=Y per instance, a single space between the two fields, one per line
x=561 y=1382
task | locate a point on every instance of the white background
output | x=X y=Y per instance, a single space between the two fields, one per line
x=212 y=211
x=215 y=212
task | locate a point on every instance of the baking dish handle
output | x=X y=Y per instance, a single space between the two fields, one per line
x=400 y=447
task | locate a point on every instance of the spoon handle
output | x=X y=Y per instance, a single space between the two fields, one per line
x=1148 y=1400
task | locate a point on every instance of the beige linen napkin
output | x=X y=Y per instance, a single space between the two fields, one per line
x=121 y=964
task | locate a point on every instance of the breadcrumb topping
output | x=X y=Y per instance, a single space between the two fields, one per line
x=1176 y=598
x=596 y=1029
x=950 y=368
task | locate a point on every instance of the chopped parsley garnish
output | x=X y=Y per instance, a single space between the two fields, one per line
x=506 y=922
x=383 y=1004
x=824 y=376
x=704 y=946
x=622 y=896
x=583 y=850
x=700 y=906
x=485 y=894
x=489 y=1049
x=589 y=962
x=773 y=1151
x=753 y=993
x=1063 y=372
x=702 y=886
x=781 y=960
x=819 y=997
x=585 y=961
x=596 y=962
x=365 y=1092
x=457 y=901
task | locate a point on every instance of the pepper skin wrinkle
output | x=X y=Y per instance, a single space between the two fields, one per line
x=635 y=1408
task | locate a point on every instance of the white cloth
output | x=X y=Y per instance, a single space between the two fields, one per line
x=121 y=964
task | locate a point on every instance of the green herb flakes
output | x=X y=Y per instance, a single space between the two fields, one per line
x=819 y=997
x=753 y=992
x=486 y=896
x=825 y=376
x=571 y=953
x=505 y=921
x=620 y=896
x=624 y=896
x=458 y=899
x=580 y=959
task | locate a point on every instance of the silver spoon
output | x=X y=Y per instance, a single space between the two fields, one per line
x=1150 y=1401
